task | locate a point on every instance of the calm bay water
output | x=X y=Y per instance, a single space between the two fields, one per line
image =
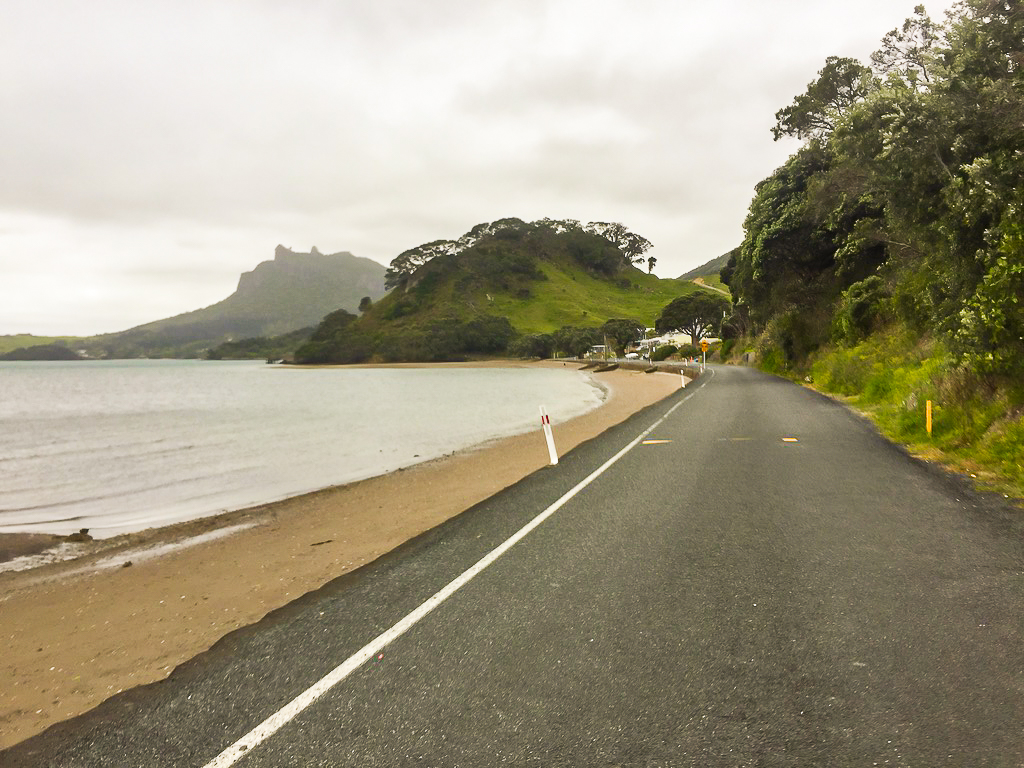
x=126 y=445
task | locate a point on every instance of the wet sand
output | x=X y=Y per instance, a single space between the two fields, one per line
x=130 y=609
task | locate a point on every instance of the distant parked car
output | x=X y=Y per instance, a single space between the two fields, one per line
x=632 y=356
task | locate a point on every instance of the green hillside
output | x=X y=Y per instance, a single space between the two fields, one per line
x=709 y=269
x=709 y=275
x=573 y=296
x=497 y=284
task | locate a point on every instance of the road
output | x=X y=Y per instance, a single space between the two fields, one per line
x=760 y=580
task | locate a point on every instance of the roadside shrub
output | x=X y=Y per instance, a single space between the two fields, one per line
x=1004 y=447
x=842 y=371
x=663 y=353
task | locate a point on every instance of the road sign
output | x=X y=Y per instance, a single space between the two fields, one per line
x=703 y=345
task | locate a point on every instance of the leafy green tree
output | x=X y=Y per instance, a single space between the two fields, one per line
x=908 y=185
x=814 y=114
x=540 y=345
x=991 y=325
x=859 y=310
x=697 y=314
x=594 y=253
x=406 y=263
x=631 y=245
x=572 y=341
x=621 y=332
x=909 y=52
x=365 y=303
x=785 y=247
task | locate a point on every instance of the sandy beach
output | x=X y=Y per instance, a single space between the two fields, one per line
x=128 y=610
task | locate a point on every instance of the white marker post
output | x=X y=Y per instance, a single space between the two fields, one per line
x=682 y=379
x=546 y=424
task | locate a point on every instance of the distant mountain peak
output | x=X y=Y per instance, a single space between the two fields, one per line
x=292 y=291
x=283 y=252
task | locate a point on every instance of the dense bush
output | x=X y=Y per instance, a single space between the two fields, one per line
x=907 y=185
x=533 y=345
x=572 y=341
x=860 y=308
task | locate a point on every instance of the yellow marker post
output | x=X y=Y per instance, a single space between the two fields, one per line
x=928 y=417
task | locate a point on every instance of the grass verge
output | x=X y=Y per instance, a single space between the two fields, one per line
x=977 y=421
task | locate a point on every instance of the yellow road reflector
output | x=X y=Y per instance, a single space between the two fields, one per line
x=790 y=440
x=655 y=442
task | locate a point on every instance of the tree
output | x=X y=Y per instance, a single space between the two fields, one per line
x=533 y=345
x=632 y=245
x=785 y=246
x=696 y=314
x=904 y=205
x=621 y=332
x=333 y=325
x=405 y=264
x=814 y=114
x=908 y=52
x=651 y=261
x=575 y=342
x=365 y=303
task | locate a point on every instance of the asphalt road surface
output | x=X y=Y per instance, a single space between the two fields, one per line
x=759 y=580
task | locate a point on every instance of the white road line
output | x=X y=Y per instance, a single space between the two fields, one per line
x=276 y=721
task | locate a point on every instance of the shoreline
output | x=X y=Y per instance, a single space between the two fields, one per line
x=34 y=538
x=133 y=607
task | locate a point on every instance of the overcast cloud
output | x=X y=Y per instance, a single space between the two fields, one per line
x=152 y=151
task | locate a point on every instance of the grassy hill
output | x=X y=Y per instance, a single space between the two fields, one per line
x=477 y=299
x=573 y=296
x=709 y=274
x=709 y=269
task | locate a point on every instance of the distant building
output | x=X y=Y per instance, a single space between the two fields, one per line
x=675 y=338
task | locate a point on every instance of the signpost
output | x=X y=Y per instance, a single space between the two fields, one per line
x=703 y=354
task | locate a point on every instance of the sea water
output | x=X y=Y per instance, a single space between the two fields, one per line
x=119 y=446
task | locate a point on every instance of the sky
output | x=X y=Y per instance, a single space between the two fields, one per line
x=150 y=152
